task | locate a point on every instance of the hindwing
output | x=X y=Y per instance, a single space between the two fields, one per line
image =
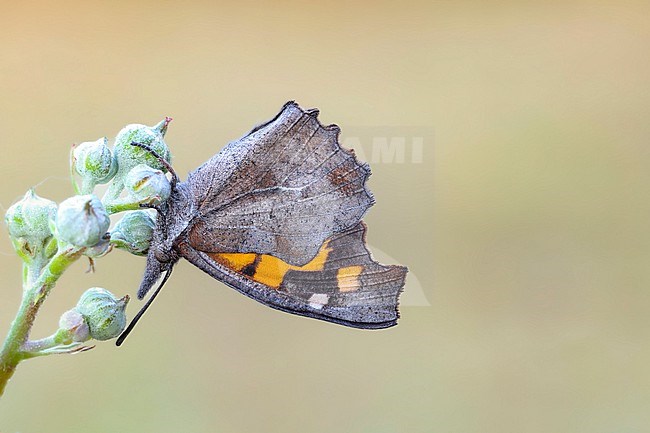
x=341 y=284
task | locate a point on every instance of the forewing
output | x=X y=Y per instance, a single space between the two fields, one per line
x=282 y=190
x=341 y=284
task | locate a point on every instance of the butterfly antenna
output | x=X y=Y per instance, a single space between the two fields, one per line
x=159 y=158
x=137 y=317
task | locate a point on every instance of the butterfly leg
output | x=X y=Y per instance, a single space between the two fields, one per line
x=149 y=206
x=160 y=159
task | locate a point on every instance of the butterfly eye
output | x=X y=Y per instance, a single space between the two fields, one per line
x=162 y=256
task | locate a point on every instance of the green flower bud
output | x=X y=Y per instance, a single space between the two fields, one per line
x=147 y=185
x=129 y=156
x=72 y=328
x=82 y=220
x=133 y=232
x=94 y=162
x=28 y=223
x=103 y=312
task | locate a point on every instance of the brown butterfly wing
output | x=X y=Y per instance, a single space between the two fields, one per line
x=341 y=284
x=279 y=220
x=283 y=190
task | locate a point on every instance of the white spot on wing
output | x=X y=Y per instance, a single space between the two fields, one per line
x=318 y=300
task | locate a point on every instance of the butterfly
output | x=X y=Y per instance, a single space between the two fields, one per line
x=276 y=215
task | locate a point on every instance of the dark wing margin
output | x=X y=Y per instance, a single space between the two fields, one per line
x=350 y=288
x=282 y=190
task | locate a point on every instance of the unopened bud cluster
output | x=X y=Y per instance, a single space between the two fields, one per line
x=93 y=161
x=39 y=229
x=103 y=312
x=137 y=178
x=82 y=220
x=128 y=156
x=73 y=328
x=98 y=315
x=133 y=232
x=147 y=185
x=28 y=222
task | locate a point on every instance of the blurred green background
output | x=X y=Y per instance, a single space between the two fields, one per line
x=525 y=225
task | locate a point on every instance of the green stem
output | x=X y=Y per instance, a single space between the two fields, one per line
x=10 y=354
x=58 y=343
x=40 y=344
x=116 y=207
x=87 y=187
x=39 y=282
x=114 y=190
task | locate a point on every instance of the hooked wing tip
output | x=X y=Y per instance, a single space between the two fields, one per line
x=313 y=112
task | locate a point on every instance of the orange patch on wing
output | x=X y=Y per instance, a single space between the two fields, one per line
x=270 y=270
x=348 y=278
x=235 y=261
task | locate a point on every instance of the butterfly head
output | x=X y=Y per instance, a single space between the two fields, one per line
x=171 y=221
x=155 y=268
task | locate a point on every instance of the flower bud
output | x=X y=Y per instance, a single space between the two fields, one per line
x=28 y=222
x=129 y=156
x=94 y=162
x=72 y=328
x=103 y=312
x=133 y=232
x=147 y=185
x=82 y=220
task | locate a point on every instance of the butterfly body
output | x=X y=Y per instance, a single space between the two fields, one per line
x=277 y=216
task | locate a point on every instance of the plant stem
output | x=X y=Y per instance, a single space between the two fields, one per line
x=116 y=207
x=114 y=190
x=33 y=346
x=10 y=355
x=39 y=282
